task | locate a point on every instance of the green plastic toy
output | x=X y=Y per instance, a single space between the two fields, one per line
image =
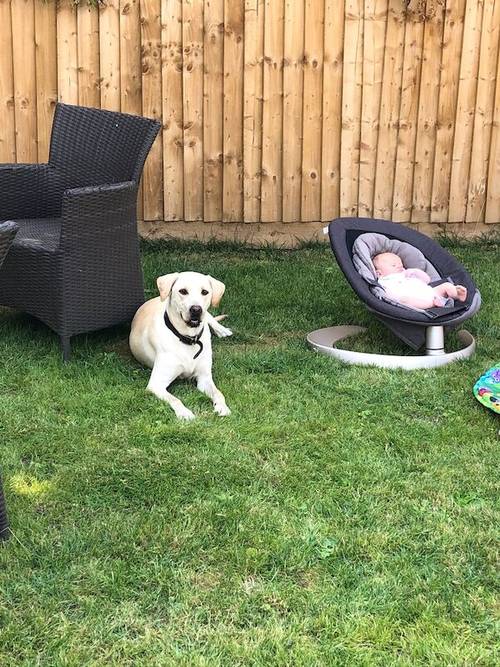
x=487 y=389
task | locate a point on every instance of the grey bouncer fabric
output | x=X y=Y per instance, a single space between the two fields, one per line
x=370 y=244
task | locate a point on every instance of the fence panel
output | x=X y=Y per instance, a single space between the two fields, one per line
x=274 y=110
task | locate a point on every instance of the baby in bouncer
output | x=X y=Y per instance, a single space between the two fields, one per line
x=410 y=287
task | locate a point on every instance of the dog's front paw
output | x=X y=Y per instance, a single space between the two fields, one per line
x=185 y=414
x=221 y=331
x=222 y=410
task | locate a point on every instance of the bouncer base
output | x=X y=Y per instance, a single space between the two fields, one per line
x=324 y=340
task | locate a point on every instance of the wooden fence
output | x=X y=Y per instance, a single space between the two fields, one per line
x=275 y=110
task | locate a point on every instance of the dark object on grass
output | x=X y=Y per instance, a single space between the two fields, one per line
x=4 y=524
x=7 y=232
x=75 y=261
x=413 y=327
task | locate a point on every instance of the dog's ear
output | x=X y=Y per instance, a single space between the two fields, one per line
x=218 y=290
x=165 y=283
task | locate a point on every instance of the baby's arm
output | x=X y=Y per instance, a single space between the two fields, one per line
x=418 y=273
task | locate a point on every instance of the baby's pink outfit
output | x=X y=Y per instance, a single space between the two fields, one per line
x=411 y=287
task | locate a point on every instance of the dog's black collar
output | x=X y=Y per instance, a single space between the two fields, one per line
x=187 y=340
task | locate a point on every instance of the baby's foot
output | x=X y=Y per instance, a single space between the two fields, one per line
x=461 y=292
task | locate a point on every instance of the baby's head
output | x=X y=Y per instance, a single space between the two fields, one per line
x=387 y=263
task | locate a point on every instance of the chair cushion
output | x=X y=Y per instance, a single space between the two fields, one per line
x=42 y=233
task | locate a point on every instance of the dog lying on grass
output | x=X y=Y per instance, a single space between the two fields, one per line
x=171 y=335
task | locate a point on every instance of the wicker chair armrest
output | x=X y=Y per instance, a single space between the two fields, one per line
x=90 y=205
x=93 y=212
x=23 y=190
x=105 y=190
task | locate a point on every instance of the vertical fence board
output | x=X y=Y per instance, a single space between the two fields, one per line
x=173 y=163
x=448 y=91
x=389 y=111
x=252 y=108
x=130 y=66
x=130 y=57
x=7 y=127
x=67 y=53
x=493 y=189
x=192 y=86
x=152 y=105
x=467 y=89
x=427 y=114
x=293 y=95
x=351 y=107
x=88 y=56
x=109 y=55
x=46 y=74
x=213 y=100
x=232 y=203
x=24 y=67
x=332 y=109
x=313 y=110
x=375 y=21
x=483 y=116
x=272 y=113
x=408 y=119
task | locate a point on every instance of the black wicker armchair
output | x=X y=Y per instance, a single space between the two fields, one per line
x=7 y=232
x=75 y=262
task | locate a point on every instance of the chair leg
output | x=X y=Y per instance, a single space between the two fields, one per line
x=66 y=347
x=4 y=524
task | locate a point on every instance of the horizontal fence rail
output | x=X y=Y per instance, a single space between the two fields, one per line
x=274 y=110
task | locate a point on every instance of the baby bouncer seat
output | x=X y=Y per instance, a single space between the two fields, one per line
x=354 y=242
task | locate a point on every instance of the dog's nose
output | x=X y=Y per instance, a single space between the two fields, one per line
x=195 y=311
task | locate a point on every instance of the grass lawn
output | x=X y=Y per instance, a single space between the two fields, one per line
x=340 y=516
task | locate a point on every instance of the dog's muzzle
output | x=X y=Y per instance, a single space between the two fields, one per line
x=195 y=313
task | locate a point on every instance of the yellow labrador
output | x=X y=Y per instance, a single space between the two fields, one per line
x=171 y=335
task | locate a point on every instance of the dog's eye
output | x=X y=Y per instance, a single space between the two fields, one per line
x=183 y=291
x=204 y=292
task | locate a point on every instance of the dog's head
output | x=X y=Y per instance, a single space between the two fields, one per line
x=190 y=294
